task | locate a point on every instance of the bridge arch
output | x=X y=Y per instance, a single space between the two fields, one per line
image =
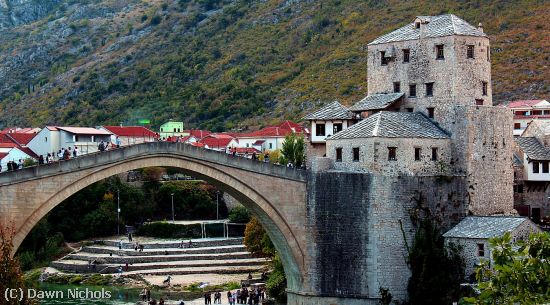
x=257 y=192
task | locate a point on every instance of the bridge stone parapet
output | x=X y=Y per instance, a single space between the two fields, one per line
x=147 y=149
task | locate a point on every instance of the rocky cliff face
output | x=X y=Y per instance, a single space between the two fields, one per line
x=17 y=12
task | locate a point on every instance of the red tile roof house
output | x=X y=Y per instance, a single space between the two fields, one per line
x=217 y=141
x=53 y=138
x=130 y=135
x=270 y=137
x=527 y=110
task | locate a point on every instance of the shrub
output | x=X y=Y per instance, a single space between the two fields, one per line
x=156 y=20
x=239 y=214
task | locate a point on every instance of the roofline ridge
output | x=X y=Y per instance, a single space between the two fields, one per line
x=377 y=125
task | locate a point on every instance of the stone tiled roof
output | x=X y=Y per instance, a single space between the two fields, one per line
x=332 y=111
x=533 y=148
x=387 y=124
x=376 y=101
x=485 y=226
x=437 y=26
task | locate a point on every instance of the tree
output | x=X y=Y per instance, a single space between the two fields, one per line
x=276 y=282
x=436 y=270
x=239 y=214
x=293 y=150
x=520 y=273
x=10 y=272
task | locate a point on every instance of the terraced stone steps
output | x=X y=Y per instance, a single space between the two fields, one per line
x=163 y=257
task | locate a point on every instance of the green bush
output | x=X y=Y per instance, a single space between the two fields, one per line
x=169 y=230
x=239 y=214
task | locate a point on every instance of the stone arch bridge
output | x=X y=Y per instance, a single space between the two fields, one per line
x=320 y=221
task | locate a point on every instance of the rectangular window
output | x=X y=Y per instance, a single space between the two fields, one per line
x=339 y=154
x=320 y=129
x=417 y=153
x=383 y=59
x=431 y=111
x=392 y=153
x=517 y=125
x=484 y=90
x=406 y=55
x=337 y=127
x=270 y=145
x=396 y=87
x=434 y=153
x=479 y=102
x=440 y=52
x=412 y=90
x=488 y=54
x=480 y=250
x=545 y=167
x=535 y=167
x=429 y=89
x=536 y=112
x=470 y=51
x=410 y=109
x=356 y=154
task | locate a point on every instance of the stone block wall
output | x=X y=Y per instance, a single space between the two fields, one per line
x=361 y=224
x=482 y=145
x=373 y=156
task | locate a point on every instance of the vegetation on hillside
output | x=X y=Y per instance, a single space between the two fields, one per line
x=223 y=64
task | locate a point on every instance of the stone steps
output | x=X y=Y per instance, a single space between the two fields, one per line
x=163 y=257
x=155 y=258
x=80 y=265
x=197 y=243
x=163 y=251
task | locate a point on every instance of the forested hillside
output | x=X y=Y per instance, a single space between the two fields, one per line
x=223 y=64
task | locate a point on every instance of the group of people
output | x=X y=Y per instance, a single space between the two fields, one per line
x=13 y=166
x=145 y=296
x=241 y=296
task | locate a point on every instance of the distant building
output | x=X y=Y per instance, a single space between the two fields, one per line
x=473 y=233
x=129 y=135
x=12 y=152
x=526 y=111
x=172 y=129
x=532 y=172
x=53 y=138
x=270 y=137
x=216 y=141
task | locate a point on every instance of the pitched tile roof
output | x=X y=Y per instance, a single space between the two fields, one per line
x=376 y=101
x=485 y=226
x=523 y=103
x=332 y=111
x=387 y=124
x=216 y=140
x=3 y=155
x=16 y=137
x=131 y=131
x=197 y=133
x=84 y=130
x=533 y=148
x=437 y=26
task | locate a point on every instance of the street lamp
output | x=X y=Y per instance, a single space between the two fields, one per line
x=173 y=215
x=118 y=212
x=217 y=205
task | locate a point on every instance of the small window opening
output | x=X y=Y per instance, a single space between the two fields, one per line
x=479 y=102
x=392 y=153
x=396 y=87
x=356 y=154
x=430 y=112
x=339 y=154
x=412 y=90
x=406 y=55
x=545 y=167
x=410 y=109
x=417 y=153
x=484 y=90
x=470 y=51
x=434 y=153
x=480 y=250
x=429 y=89
x=440 y=51
x=535 y=167
x=383 y=58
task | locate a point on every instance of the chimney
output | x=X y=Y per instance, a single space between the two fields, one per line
x=480 y=27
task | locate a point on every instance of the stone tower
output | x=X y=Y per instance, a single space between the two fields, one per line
x=442 y=64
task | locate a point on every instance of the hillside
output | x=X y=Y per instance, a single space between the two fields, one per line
x=229 y=64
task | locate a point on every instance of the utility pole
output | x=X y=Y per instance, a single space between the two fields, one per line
x=173 y=215
x=118 y=211
x=217 y=205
